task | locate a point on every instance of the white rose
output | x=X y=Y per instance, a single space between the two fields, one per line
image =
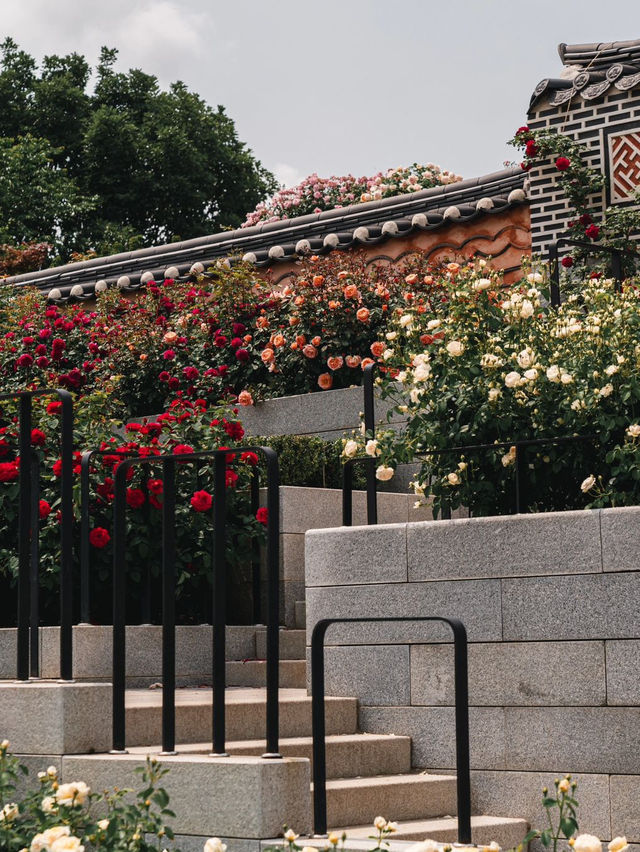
x=535 y=278
x=553 y=373
x=9 y=812
x=425 y=846
x=391 y=827
x=388 y=353
x=290 y=836
x=607 y=390
x=577 y=404
x=525 y=358
x=587 y=485
x=384 y=473
x=406 y=320
x=372 y=449
x=512 y=380
x=453 y=479
x=67 y=844
x=634 y=430
x=103 y=824
x=531 y=375
x=379 y=823
x=566 y=378
x=491 y=361
x=42 y=842
x=48 y=804
x=494 y=394
x=481 y=284
x=434 y=323
x=455 y=348
x=350 y=449
x=402 y=376
x=415 y=394
x=391 y=335
x=618 y=844
x=587 y=843
x=422 y=372
x=612 y=369
x=526 y=309
x=214 y=844
x=75 y=793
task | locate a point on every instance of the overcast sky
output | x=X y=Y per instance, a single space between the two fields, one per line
x=340 y=86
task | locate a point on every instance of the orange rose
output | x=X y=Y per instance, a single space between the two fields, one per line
x=315 y=341
x=366 y=361
x=309 y=351
x=422 y=309
x=299 y=300
x=377 y=348
x=453 y=268
x=353 y=360
x=301 y=339
x=294 y=345
x=411 y=279
x=363 y=314
x=314 y=258
x=350 y=291
x=267 y=355
x=262 y=322
x=294 y=321
x=342 y=275
x=385 y=307
x=170 y=337
x=318 y=280
x=426 y=339
x=428 y=279
x=333 y=305
x=248 y=338
x=278 y=340
x=408 y=297
x=245 y=398
x=143 y=357
x=335 y=362
x=325 y=380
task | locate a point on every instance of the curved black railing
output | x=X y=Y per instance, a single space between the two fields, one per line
x=169 y=463
x=28 y=522
x=463 y=775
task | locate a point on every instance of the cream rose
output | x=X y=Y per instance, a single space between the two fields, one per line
x=481 y=284
x=531 y=375
x=372 y=449
x=494 y=394
x=455 y=348
x=75 y=793
x=214 y=844
x=525 y=358
x=587 y=484
x=453 y=479
x=434 y=323
x=618 y=844
x=535 y=278
x=379 y=823
x=587 y=843
x=634 y=430
x=526 y=309
x=67 y=844
x=553 y=373
x=384 y=473
x=512 y=380
x=422 y=372
x=350 y=449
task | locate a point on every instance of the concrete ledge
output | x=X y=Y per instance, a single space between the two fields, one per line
x=45 y=718
x=243 y=797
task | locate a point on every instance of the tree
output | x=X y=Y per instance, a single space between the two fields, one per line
x=124 y=165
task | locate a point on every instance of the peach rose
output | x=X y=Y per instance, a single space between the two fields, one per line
x=411 y=279
x=333 y=305
x=363 y=314
x=353 y=360
x=309 y=351
x=377 y=348
x=301 y=339
x=325 y=380
x=453 y=268
x=342 y=275
x=350 y=291
x=262 y=322
x=335 y=362
x=428 y=279
x=315 y=341
x=143 y=357
x=267 y=355
x=245 y=398
x=294 y=321
x=299 y=300
x=318 y=280
x=170 y=337
x=248 y=338
x=366 y=361
x=278 y=340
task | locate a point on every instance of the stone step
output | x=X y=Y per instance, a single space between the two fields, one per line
x=507 y=832
x=245 y=714
x=292 y=673
x=357 y=801
x=292 y=644
x=348 y=755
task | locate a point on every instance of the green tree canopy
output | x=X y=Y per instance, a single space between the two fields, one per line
x=118 y=166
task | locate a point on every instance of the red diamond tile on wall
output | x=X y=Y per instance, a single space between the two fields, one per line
x=624 y=163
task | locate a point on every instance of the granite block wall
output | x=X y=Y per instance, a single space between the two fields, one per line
x=551 y=603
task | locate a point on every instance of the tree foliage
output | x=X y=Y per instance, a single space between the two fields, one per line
x=116 y=166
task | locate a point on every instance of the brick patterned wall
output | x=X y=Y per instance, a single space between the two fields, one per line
x=587 y=122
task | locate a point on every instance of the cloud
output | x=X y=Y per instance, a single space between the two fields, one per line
x=287 y=175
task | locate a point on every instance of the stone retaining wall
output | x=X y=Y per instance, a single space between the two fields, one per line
x=551 y=603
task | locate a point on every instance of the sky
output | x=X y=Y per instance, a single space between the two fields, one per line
x=340 y=86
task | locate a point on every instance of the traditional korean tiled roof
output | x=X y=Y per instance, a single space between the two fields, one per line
x=591 y=70
x=358 y=225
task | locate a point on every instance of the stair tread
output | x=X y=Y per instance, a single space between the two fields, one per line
x=135 y=698
x=422 y=829
x=405 y=778
x=205 y=747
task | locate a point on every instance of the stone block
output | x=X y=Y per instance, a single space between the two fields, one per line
x=245 y=797
x=507 y=546
x=41 y=717
x=8 y=653
x=583 y=739
x=620 y=539
x=587 y=606
x=292 y=557
x=504 y=674
x=623 y=674
x=475 y=602
x=519 y=794
x=374 y=674
x=349 y=555
x=292 y=592
x=34 y=763
x=432 y=732
x=625 y=806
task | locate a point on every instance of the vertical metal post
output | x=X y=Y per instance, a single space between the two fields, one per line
x=219 y=603
x=119 y=603
x=168 y=607
x=347 y=493
x=256 y=589
x=24 y=536
x=522 y=476
x=554 y=271
x=318 y=729
x=145 y=602
x=463 y=773
x=616 y=269
x=66 y=542
x=34 y=580
x=85 y=550
x=273 y=602
x=370 y=425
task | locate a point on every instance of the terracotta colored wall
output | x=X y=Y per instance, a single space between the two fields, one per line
x=505 y=237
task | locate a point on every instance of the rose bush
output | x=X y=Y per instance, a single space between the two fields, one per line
x=491 y=364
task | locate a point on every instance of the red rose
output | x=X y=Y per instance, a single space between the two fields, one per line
x=153 y=500
x=236 y=342
x=201 y=501
x=531 y=149
x=523 y=129
x=567 y=262
x=155 y=486
x=585 y=219
x=57 y=468
x=42 y=362
x=174 y=383
x=526 y=167
x=562 y=164
x=231 y=477
x=163 y=376
x=25 y=360
x=249 y=458
x=592 y=232
x=262 y=515
x=182 y=449
x=191 y=373
x=99 y=537
x=44 y=510
x=234 y=429
x=9 y=471
x=135 y=498
x=242 y=355
x=168 y=355
x=38 y=438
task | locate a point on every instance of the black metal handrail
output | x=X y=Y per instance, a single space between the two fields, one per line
x=597 y=248
x=28 y=522
x=219 y=597
x=463 y=773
